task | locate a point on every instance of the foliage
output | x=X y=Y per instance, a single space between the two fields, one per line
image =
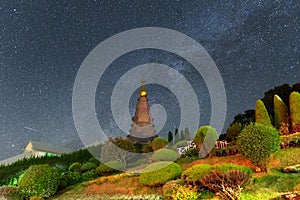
x=210 y=135
x=290 y=140
x=75 y=167
x=181 y=143
x=10 y=193
x=159 y=173
x=261 y=114
x=280 y=111
x=170 y=137
x=158 y=143
x=245 y=118
x=94 y=160
x=39 y=180
x=186 y=193
x=165 y=155
x=89 y=175
x=186 y=134
x=110 y=167
x=233 y=131
x=117 y=149
x=177 y=137
x=192 y=152
x=70 y=178
x=88 y=166
x=195 y=173
x=228 y=185
x=224 y=168
x=257 y=142
x=295 y=110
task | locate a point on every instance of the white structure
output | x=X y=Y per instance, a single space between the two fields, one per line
x=36 y=149
x=190 y=144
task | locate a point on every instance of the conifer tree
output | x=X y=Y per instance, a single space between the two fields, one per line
x=176 y=136
x=261 y=114
x=280 y=112
x=295 y=110
x=170 y=137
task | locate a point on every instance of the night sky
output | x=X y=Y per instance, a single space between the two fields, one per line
x=255 y=45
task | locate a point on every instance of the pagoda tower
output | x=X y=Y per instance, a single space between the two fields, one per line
x=142 y=129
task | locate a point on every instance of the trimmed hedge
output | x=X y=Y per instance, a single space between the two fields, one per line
x=159 y=173
x=261 y=114
x=165 y=155
x=195 y=173
x=39 y=180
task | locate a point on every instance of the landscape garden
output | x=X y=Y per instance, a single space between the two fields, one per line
x=261 y=161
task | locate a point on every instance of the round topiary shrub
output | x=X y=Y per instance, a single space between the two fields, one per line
x=109 y=167
x=39 y=180
x=194 y=174
x=181 y=143
x=257 y=142
x=88 y=166
x=90 y=175
x=75 y=167
x=159 y=173
x=165 y=155
x=158 y=143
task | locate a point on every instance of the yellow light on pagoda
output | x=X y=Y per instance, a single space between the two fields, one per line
x=143 y=93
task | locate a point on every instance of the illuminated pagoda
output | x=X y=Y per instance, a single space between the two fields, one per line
x=142 y=129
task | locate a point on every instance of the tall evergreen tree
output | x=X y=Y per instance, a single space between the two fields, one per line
x=261 y=114
x=280 y=111
x=176 y=136
x=170 y=137
x=187 y=134
x=295 y=109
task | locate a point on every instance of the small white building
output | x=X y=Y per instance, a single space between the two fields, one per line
x=36 y=149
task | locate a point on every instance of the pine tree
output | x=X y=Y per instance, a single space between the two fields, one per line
x=295 y=110
x=170 y=137
x=280 y=111
x=176 y=136
x=187 y=136
x=261 y=114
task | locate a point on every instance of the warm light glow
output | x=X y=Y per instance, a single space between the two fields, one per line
x=143 y=93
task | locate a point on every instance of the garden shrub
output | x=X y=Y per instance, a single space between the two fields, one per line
x=295 y=110
x=228 y=167
x=192 y=152
x=68 y=179
x=110 y=167
x=257 y=142
x=280 y=111
x=228 y=185
x=186 y=193
x=89 y=175
x=158 y=143
x=165 y=155
x=10 y=193
x=75 y=167
x=39 y=180
x=261 y=114
x=210 y=135
x=88 y=166
x=158 y=173
x=94 y=160
x=181 y=143
x=195 y=173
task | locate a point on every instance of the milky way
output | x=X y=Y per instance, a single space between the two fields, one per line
x=255 y=45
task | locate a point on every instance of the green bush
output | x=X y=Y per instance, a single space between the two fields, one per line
x=261 y=114
x=94 y=160
x=233 y=131
x=69 y=179
x=110 y=167
x=228 y=167
x=88 y=166
x=75 y=167
x=165 y=155
x=280 y=111
x=181 y=143
x=39 y=180
x=207 y=134
x=257 y=142
x=10 y=193
x=158 y=143
x=159 y=173
x=192 y=152
x=89 y=175
x=195 y=173
x=295 y=109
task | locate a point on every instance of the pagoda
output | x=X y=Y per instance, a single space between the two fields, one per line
x=142 y=129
